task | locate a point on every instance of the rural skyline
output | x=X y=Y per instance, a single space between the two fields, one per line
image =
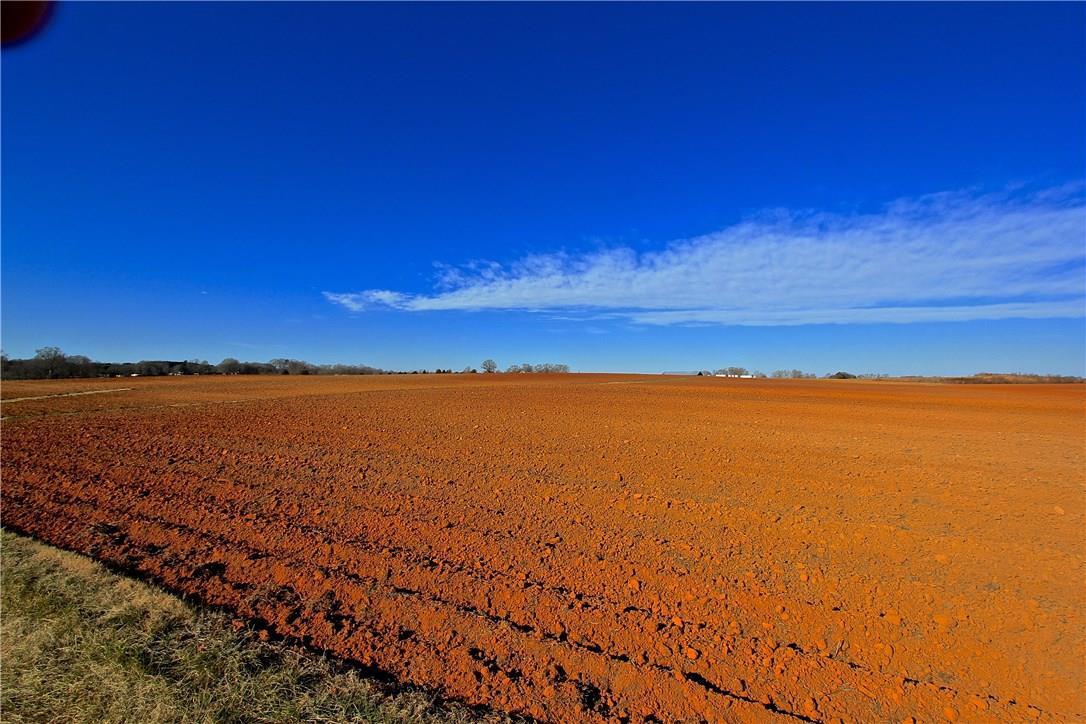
x=619 y=188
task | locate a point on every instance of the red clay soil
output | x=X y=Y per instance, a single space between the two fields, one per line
x=588 y=547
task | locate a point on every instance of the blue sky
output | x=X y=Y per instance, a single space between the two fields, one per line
x=871 y=187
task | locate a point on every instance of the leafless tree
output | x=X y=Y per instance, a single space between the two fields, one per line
x=50 y=359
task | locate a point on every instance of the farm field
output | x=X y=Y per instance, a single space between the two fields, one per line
x=600 y=547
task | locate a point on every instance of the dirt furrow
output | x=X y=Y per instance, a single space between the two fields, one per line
x=670 y=550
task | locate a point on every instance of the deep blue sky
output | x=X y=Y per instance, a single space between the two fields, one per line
x=188 y=180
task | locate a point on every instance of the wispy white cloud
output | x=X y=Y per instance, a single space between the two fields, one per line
x=944 y=257
x=357 y=301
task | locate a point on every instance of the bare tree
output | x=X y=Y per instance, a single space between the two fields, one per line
x=80 y=366
x=490 y=365
x=229 y=366
x=50 y=359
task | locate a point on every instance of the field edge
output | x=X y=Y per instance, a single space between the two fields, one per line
x=99 y=642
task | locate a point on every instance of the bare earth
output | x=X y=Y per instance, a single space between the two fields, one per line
x=591 y=547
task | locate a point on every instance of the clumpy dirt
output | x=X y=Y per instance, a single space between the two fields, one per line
x=572 y=549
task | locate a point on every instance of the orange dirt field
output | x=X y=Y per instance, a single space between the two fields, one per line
x=600 y=547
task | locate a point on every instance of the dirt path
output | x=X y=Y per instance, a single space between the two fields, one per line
x=678 y=549
x=65 y=394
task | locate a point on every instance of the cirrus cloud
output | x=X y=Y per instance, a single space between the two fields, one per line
x=943 y=257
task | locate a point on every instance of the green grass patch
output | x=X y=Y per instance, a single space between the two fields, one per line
x=81 y=643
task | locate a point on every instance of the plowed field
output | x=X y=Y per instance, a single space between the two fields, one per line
x=589 y=547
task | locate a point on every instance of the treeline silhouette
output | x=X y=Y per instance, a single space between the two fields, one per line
x=546 y=367
x=52 y=363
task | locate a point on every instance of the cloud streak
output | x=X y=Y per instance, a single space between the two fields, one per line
x=943 y=257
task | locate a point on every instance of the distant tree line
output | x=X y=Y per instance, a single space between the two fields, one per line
x=792 y=375
x=781 y=374
x=979 y=378
x=52 y=363
x=490 y=366
x=545 y=367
